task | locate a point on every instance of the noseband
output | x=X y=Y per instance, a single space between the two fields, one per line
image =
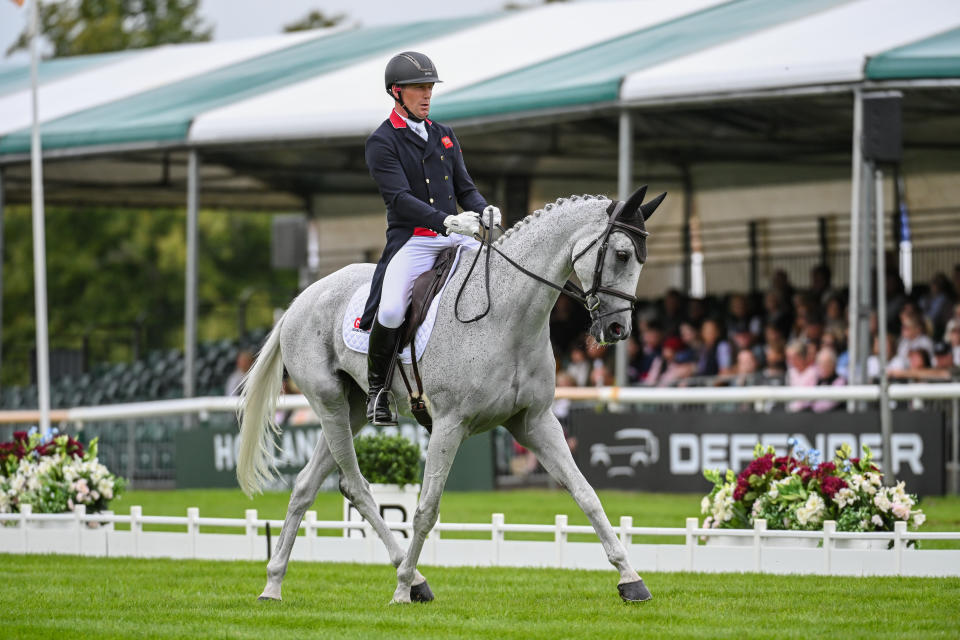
x=589 y=298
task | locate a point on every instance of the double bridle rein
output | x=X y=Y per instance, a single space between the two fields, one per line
x=589 y=299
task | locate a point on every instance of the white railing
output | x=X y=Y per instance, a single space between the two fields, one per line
x=728 y=550
x=631 y=395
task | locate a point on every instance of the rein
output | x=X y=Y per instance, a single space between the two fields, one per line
x=589 y=298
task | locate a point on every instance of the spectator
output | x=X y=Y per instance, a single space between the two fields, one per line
x=952 y=323
x=944 y=363
x=953 y=339
x=820 y=290
x=777 y=312
x=674 y=365
x=579 y=366
x=912 y=336
x=739 y=314
x=567 y=322
x=835 y=314
x=648 y=354
x=672 y=316
x=896 y=297
x=937 y=304
x=781 y=284
x=813 y=328
x=714 y=356
x=747 y=372
x=800 y=373
x=244 y=362
x=827 y=376
x=918 y=366
x=600 y=372
x=744 y=339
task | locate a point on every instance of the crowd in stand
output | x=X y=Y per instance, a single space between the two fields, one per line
x=785 y=336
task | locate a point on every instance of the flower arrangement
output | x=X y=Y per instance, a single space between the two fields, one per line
x=799 y=492
x=54 y=475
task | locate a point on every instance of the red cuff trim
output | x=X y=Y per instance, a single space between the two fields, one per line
x=423 y=231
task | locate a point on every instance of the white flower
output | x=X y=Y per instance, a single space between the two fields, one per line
x=812 y=510
x=882 y=501
x=877 y=520
x=705 y=505
x=844 y=497
x=919 y=518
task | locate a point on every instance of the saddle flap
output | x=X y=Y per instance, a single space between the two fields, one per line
x=425 y=288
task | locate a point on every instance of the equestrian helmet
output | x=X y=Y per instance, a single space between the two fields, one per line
x=409 y=67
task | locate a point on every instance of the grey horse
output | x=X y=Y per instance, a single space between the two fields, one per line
x=498 y=370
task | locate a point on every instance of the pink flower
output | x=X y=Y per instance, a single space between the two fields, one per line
x=901 y=511
x=877 y=520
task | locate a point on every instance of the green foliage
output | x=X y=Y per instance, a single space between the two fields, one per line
x=388 y=459
x=314 y=20
x=114 y=272
x=99 y=26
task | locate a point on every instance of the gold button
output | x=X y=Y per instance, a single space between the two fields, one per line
x=428 y=180
x=446 y=177
x=431 y=200
x=441 y=157
x=449 y=197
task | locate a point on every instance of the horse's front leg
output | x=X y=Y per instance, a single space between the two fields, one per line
x=441 y=451
x=543 y=434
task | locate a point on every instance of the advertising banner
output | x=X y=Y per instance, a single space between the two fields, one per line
x=669 y=451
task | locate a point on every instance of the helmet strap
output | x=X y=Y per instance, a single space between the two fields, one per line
x=399 y=98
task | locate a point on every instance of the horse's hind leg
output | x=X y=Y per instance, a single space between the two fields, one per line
x=304 y=492
x=543 y=435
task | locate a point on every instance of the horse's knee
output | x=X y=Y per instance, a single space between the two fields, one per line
x=391 y=315
x=425 y=516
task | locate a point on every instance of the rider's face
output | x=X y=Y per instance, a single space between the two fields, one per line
x=416 y=97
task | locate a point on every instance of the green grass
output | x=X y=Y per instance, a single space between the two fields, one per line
x=535 y=506
x=73 y=597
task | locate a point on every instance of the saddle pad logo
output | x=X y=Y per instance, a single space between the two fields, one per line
x=356 y=323
x=447 y=143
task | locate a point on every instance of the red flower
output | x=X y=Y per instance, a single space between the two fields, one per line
x=805 y=473
x=758 y=467
x=826 y=469
x=831 y=484
x=20 y=436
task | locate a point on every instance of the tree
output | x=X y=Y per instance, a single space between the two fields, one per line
x=314 y=20
x=98 y=26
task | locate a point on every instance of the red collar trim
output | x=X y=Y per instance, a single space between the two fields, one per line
x=399 y=123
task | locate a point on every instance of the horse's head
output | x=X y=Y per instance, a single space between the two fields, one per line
x=609 y=266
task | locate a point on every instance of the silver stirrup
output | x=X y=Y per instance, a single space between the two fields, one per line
x=376 y=402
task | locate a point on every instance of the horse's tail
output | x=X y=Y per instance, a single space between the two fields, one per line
x=260 y=390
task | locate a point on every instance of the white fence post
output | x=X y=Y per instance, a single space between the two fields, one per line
x=899 y=529
x=759 y=526
x=626 y=523
x=311 y=532
x=251 y=529
x=496 y=535
x=829 y=528
x=79 y=511
x=193 y=528
x=560 y=538
x=691 y=541
x=26 y=510
x=136 y=528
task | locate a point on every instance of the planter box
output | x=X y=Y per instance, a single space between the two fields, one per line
x=397 y=504
x=747 y=541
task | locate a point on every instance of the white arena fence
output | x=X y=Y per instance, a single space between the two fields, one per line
x=826 y=552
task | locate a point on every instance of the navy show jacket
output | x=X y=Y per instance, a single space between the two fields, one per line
x=421 y=183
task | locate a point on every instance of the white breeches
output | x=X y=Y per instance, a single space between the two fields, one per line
x=415 y=257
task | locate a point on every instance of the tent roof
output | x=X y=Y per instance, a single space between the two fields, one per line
x=935 y=57
x=325 y=84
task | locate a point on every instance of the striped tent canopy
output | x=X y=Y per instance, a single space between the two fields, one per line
x=265 y=111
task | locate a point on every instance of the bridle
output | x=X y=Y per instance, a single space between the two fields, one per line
x=589 y=298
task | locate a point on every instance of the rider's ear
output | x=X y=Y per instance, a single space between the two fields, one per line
x=647 y=209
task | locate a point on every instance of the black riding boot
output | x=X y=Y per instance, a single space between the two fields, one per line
x=380 y=359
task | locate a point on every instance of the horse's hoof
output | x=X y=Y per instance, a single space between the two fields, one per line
x=268 y=599
x=634 y=591
x=421 y=592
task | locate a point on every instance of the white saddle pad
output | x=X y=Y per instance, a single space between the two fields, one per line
x=359 y=340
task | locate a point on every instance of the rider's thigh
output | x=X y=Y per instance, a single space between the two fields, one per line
x=415 y=257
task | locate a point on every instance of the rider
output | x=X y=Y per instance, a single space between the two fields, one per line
x=418 y=167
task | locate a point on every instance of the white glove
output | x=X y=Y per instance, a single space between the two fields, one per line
x=466 y=223
x=485 y=217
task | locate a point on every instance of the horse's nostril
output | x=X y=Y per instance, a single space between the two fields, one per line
x=616 y=329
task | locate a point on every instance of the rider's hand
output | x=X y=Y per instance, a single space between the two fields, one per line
x=490 y=213
x=466 y=223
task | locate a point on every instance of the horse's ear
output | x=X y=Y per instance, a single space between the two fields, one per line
x=633 y=203
x=647 y=209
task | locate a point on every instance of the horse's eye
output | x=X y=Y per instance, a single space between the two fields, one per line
x=623 y=256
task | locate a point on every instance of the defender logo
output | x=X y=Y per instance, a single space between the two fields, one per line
x=644 y=450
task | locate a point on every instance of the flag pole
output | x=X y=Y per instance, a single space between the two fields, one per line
x=39 y=237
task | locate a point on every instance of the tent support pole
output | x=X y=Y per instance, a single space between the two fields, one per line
x=190 y=330
x=624 y=185
x=39 y=237
x=886 y=416
x=1 y=266
x=856 y=186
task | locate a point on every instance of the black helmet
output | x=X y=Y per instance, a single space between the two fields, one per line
x=409 y=67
